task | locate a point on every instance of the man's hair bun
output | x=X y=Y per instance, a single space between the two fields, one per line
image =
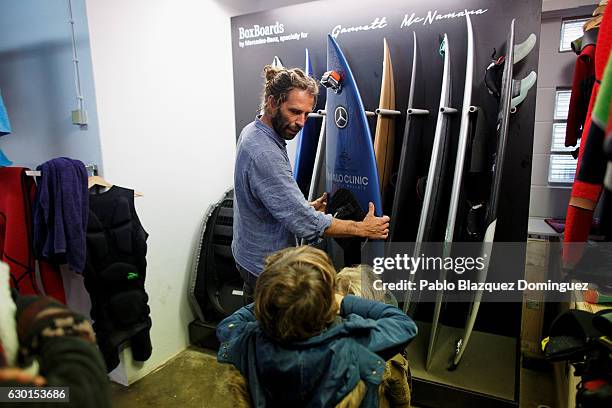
x=270 y=72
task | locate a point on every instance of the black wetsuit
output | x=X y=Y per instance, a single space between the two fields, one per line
x=115 y=275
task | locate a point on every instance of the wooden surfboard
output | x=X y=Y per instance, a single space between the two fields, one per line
x=384 y=138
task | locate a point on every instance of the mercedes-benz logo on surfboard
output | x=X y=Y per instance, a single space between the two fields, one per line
x=341 y=117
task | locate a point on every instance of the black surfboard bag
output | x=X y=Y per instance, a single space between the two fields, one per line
x=344 y=206
x=215 y=290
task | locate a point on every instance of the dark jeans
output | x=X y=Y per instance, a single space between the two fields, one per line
x=248 y=287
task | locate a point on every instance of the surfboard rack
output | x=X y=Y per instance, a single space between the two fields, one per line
x=415 y=111
x=387 y=112
x=316 y=115
x=323 y=112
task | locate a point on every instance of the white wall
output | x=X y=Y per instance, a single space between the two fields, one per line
x=556 y=70
x=165 y=102
x=237 y=7
x=37 y=82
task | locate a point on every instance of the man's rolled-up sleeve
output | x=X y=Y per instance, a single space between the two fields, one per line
x=274 y=185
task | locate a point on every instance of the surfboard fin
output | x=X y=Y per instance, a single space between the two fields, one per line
x=520 y=88
x=523 y=49
x=495 y=69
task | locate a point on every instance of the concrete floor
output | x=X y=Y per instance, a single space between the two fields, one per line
x=191 y=379
x=195 y=379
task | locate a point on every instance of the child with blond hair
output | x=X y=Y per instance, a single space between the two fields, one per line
x=303 y=344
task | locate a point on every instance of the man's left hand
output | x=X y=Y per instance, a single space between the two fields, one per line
x=320 y=204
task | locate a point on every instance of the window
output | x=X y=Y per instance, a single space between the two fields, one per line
x=570 y=31
x=562 y=167
x=562 y=101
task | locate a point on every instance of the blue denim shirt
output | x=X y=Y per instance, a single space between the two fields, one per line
x=320 y=371
x=269 y=208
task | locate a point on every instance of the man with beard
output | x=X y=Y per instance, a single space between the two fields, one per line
x=269 y=209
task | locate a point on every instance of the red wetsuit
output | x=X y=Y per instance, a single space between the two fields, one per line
x=16 y=197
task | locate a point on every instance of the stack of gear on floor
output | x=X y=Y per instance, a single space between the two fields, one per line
x=584 y=340
x=115 y=275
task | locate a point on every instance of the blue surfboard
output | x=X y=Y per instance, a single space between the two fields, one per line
x=350 y=160
x=306 y=149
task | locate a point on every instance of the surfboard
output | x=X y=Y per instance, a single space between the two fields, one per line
x=503 y=119
x=404 y=199
x=317 y=181
x=306 y=144
x=292 y=145
x=384 y=137
x=277 y=63
x=433 y=189
x=466 y=113
x=350 y=162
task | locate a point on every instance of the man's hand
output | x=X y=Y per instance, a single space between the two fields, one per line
x=320 y=204
x=373 y=227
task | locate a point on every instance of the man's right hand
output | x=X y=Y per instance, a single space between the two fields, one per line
x=373 y=227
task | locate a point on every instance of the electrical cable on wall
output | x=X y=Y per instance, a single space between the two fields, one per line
x=79 y=116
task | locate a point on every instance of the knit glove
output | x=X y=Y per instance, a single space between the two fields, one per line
x=42 y=318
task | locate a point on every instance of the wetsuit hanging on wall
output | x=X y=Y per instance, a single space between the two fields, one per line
x=115 y=275
x=591 y=165
x=582 y=87
x=16 y=196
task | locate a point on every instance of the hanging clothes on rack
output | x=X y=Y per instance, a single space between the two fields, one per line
x=606 y=218
x=61 y=208
x=582 y=87
x=16 y=195
x=591 y=165
x=115 y=275
x=5 y=129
